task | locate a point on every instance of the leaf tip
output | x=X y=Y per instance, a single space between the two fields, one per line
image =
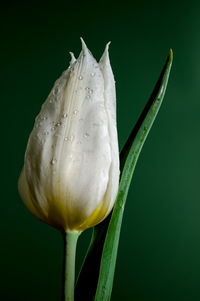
x=170 y=54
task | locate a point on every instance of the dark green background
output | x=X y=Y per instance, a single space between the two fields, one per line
x=159 y=252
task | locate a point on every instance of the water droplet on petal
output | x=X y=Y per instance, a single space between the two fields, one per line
x=53 y=161
x=80 y=77
x=55 y=91
x=70 y=138
x=38 y=124
x=64 y=115
x=86 y=135
x=95 y=65
x=43 y=118
x=90 y=91
x=75 y=112
x=92 y=74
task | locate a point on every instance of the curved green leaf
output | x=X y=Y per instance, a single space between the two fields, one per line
x=97 y=273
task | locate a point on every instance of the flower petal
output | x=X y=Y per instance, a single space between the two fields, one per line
x=68 y=162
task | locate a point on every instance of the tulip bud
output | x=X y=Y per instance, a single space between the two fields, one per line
x=71 y=169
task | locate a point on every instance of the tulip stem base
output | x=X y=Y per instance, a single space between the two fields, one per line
x=70 y=242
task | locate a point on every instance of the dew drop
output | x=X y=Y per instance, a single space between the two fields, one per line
x=71 y=138
x=92 y=74
x=86 y=135
x=53 y=161
x=90 y=91
x=44 y=118
x=55 y=91
x=65 y=115
x=38 y=124
x=104 y=289
x=80 y=77
x=75 y=112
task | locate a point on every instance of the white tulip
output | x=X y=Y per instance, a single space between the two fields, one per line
x=70 y=176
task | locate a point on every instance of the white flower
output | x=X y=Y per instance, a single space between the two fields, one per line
x=71 y=170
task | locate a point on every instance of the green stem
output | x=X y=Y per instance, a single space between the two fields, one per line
x=70 y=241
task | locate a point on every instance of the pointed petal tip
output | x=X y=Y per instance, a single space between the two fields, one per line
x=85 y=51
x=106 y=51
x=108 y=45
x=105 y=55
x=73 y=59
x=84 y=47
